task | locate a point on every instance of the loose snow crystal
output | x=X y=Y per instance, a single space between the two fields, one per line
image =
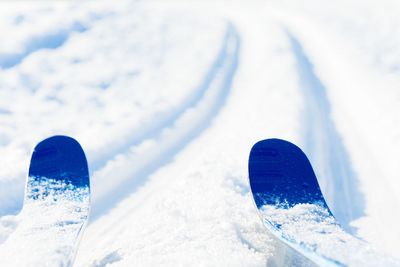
x=50 y=223
x=311 y=227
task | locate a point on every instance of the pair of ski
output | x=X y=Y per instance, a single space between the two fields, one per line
x=284 y=187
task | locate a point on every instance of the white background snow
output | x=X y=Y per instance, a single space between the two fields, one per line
x=167 y=99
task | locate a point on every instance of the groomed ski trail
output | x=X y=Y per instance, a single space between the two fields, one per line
x=130 y=169
x=175 y=192
x=336 y=146
x=325 y=147
x=169 y=117
x=189 y=200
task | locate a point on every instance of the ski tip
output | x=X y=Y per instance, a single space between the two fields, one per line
x=61 y=158
x=280 y=173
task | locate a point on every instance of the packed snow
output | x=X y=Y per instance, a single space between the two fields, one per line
x=167 y=98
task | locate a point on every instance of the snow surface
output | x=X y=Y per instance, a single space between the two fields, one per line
x=311 y=227
x=167 y=100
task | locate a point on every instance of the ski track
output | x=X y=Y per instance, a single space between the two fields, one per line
x=126 y=166
x=214 y=91
x=165 y=120
x=50 y=40
x=324 y=145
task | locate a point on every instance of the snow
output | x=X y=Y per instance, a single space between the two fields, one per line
x=167 y=100
x=310 y=226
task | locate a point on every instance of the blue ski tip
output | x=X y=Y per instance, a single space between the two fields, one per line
x=280 y=174
x=60 y=158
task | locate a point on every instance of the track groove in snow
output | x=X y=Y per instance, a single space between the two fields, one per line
x=324 y=145
x=127 y=172
x=166 y=119
x=167 y=132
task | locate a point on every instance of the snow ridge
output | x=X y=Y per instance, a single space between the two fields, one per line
x=130 y=170
x=324 y=145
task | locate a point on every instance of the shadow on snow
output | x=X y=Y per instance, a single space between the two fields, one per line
x=323 y=144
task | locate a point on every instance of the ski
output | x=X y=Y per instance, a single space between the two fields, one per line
x=56 y=206
x=291 y=205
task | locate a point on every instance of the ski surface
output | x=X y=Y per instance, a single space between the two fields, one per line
x=56 y=206
x=293 y=209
